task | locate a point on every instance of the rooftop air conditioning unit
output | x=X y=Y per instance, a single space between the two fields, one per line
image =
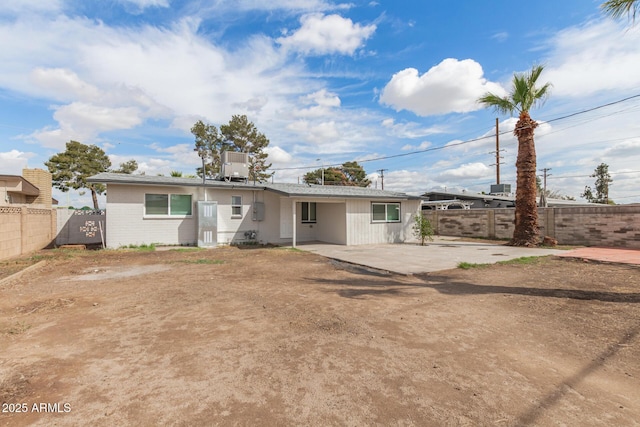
x=500 y=189
x=235 y=166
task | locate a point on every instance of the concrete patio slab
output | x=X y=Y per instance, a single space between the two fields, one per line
x=442 y=254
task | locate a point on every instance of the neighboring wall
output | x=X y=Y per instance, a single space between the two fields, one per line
x=617 y=226
x=25 y=229
x=42 y=180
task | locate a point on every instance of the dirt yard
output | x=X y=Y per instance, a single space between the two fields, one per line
x=280 y=337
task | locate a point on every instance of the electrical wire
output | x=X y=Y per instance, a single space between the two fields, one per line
x=468 y=141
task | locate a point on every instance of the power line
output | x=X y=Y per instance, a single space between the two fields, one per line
x=587 y=176
x=468 y=141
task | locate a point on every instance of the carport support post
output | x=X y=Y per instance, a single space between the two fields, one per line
x=293 y=216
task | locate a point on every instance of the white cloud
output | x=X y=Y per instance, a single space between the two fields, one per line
x=413 y=182
x=62 y=84
x=466 y=171
x=423 y=146
x=322 y=103
x=452 y=86
x=630 y=147
x=155 y=166
x=321 y=35
x=147 y=72
x=83 y=122
x=142 y=4
x=30 y=6
x=288 y=5
x=12 y=162
x=409 y=130
x=278 y=156
x=599 y=56
x=501 y=36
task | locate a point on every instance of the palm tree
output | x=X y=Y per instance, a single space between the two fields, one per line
x=524 y=95
x=618 y=8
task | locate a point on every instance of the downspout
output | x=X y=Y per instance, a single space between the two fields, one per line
x=293 y=214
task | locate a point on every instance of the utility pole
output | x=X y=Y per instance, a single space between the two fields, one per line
x=382 y=176
x=498 y=156
x=543 y=196
x=322 y=164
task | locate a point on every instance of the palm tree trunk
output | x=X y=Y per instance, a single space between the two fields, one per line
x=526 y=221
x=94 y=196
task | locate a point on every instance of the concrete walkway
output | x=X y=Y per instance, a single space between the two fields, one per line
x=409 y=258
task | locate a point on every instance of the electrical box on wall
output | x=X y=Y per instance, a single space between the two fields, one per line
x=258 y=211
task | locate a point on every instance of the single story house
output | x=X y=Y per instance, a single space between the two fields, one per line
x=185 y=211
x=443 y=200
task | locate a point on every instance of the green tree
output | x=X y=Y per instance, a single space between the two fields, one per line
x=422 y=228
x=550 y=194
x=209 y=146
x=71 y=168
x=355 y=174
x=618 y=8
x=348 y=174
x=127 y=167
x=603 y=181
x=242 y=135
x=176 y=174
x=524 y=95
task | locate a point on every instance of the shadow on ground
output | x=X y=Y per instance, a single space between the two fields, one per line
x=370 y=282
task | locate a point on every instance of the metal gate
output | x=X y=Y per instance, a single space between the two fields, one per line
x=84 y=227
x=207 y=224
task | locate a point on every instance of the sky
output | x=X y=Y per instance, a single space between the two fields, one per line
x=390 y=84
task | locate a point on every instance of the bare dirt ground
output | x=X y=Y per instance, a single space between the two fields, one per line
x=280 y=337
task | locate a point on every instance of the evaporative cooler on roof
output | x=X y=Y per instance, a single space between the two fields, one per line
x=235 y=166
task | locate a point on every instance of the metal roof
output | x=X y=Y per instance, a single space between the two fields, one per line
x=477 y=196
x=285 y=189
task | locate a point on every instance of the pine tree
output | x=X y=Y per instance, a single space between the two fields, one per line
x=71 y=168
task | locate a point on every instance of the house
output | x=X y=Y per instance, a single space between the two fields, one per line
x=442 y=200
x=186 y=211
x=32 y=188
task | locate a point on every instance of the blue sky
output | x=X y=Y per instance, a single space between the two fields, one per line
x=326 y=81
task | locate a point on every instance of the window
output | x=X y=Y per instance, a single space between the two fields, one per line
x=236 y=206
x=385 y=212
x=167 y=204
x=308 y=211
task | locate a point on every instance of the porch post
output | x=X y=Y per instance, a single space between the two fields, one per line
x=293 y=214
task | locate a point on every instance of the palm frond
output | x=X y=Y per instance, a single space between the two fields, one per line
x=502 y=105
x=618 y=8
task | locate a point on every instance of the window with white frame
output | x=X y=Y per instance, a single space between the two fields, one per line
x=308 y=212
x=236 y=206
x=385 y=212
x=167 y=205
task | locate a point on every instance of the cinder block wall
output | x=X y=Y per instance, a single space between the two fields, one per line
x=24 y=230
x=10 y=234
x=41 y=179
x=616 y=226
